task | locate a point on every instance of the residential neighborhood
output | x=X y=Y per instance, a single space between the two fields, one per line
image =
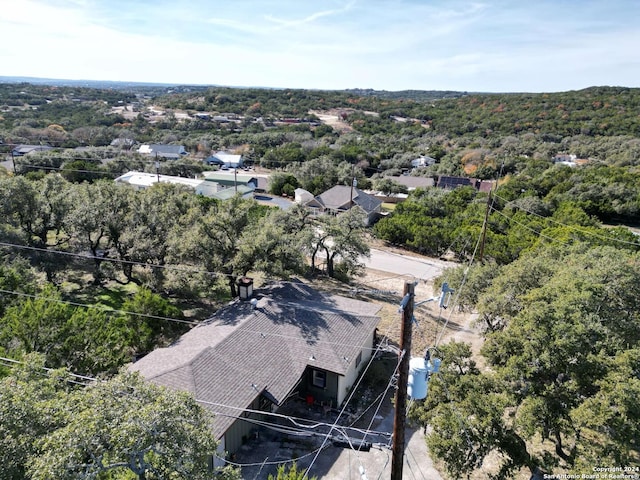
x=250 y=282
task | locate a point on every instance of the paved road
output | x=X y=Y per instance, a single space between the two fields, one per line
x=8 y=164
x=422 y=268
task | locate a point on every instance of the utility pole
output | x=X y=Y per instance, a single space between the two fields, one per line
x=157 y=168
x=484 y=226
x=235 y=179
x=397 y=451
x=353 y=184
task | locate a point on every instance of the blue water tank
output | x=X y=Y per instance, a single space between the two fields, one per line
x=417 y=386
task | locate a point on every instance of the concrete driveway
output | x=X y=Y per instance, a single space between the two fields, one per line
x=262 y=454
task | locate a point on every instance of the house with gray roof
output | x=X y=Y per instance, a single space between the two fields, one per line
x=413 y=182
x=170 y=152
x=289 y=341
x=342 y=198
x=20 y=150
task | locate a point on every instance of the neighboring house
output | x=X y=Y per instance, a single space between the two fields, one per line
x=413 y=182
x=422 y=161
x=225 y=159
x=21 y=150
x=302 y=196
x=484 y=185
x=212 y=189
x=450 y=183
x=564 y=158
x=289 y=341
x=231 y=179
x=171 y=152
x=569 y=160
x=142 y=180
x=227 y=193
x=341 y=198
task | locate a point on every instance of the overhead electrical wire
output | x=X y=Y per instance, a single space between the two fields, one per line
x=539 y=234
x=116 y=260
x=300 y=427
x=279 y=462
x=573 y=227
x=98 y=307
x=346 y=403
x=10 y=362
x=169 y=319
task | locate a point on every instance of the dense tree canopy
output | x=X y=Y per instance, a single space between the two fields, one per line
x=561 y=328
x=121 y=427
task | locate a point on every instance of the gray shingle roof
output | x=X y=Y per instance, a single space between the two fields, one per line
x=339 y=198
x=241 y=351
x=413 y=182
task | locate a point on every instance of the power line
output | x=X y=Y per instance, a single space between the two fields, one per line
x=98 y=307
x=10 y=362
x=296 y=421
x=353 y=390
x=574 y=227
x=539 y=234
x=190 y=322
x=281 y=462
x=64 y=170
x=118 y=260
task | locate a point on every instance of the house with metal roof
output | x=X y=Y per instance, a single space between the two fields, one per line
x=170 y=152
x=143 y=180
x=289 y=341
x=342 y=198
x=20 y=150
x=225 y=159
x=231 y=179
x=219 y=191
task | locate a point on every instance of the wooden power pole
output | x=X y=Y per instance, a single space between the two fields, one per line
x=484 y=227
x=397 y=452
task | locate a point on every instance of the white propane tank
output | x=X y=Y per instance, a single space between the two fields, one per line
x=417 y=385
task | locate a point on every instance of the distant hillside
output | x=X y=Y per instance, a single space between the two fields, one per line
x=137 y=87
x=416 y=95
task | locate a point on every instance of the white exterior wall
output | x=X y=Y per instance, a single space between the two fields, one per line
x=345 y=383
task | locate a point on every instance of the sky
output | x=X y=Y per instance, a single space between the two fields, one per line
x=474 y=46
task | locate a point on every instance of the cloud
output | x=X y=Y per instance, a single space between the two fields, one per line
x=311 y=17
x=388 y=44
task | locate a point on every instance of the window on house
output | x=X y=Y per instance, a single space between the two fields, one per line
x=358 y=359
x=319 y=378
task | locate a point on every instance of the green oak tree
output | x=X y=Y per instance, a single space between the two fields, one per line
x=127 y=425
